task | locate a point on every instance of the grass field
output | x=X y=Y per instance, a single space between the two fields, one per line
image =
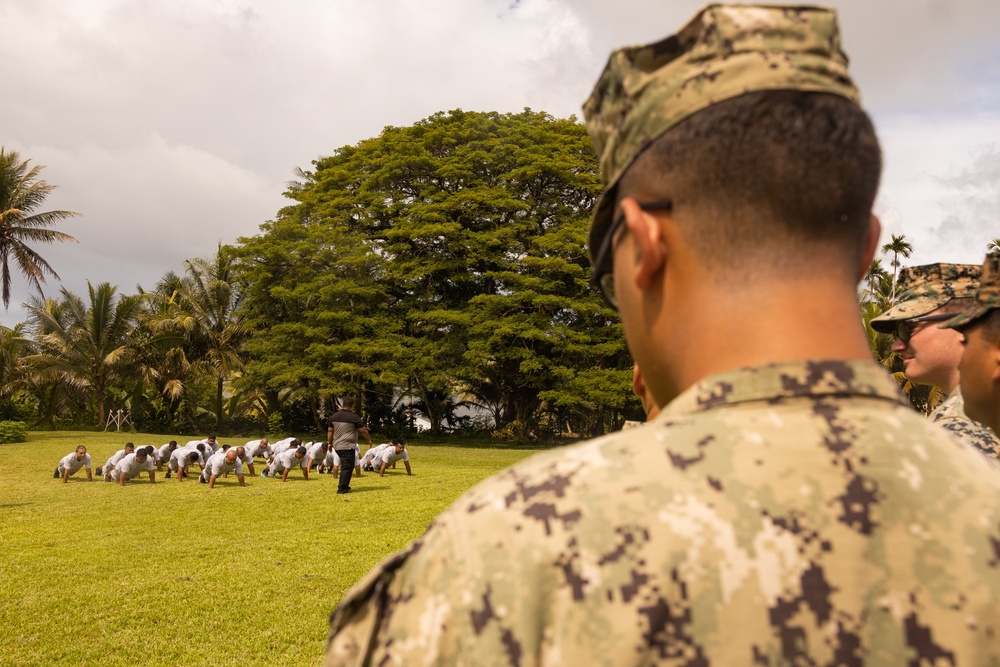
x=176 y=574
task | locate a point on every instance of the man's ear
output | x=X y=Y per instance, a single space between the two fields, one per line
x=650 y=250
x=871 y=246
x=638 y=384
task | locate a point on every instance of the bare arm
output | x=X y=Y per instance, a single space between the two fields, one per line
x=152 y=477
x=90 y=476
x=407 y=464
x=211 y=481
x=121 y=479
x=284 y=475
x=252 y=473
x=240 y=477
x=364 y=431
x=66 y=475
x=381 y=470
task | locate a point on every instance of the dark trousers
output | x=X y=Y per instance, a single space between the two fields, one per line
x=346 y=469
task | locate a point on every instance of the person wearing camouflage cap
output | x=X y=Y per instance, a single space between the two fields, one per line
x=929 y=295
x=980 y=364
x=785 y=506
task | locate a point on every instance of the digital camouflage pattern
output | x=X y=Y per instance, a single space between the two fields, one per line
x=987 y=296
x=925 y=288
x=791 y=514
x=723 y=52
x=951 y=415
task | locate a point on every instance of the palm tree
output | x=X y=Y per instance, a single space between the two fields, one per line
x=899 y=247
x=217 y=329
x=21 y=193
x=993 y=246
x=86 y=347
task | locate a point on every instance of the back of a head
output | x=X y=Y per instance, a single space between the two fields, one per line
x=748 y=122
x=149 y=449
x=346 y=403
x=768 y=181
x=300 y=452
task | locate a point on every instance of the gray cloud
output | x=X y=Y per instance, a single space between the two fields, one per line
x=173 y=126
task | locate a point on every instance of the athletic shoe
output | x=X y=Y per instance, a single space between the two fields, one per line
x=100 y=470
x=265 y=473
x=55 y=475
x=202 y=479
x=346 y=491
x=167 y=476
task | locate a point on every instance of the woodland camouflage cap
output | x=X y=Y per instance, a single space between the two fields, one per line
x=723 y=52
x=987 y=296
x=926 y=288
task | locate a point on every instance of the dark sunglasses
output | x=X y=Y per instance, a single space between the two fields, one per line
x=904 y=328
x=602 y=274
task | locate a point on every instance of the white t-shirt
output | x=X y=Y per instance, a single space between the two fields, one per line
x=217 y=465
x=254 y=448
x=389 y=456
x=164 y=452
x=282 y=445
x=179 y=458
x=70 y=462
x=131 y=466
x=113 y=461
x=287 y=459
x=314 y=450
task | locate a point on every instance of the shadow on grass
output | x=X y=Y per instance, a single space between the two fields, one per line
x=362 y=489
x=3 y=507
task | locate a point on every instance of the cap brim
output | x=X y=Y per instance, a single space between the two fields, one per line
x=601 y=219
x=886 y=322
x=963 y=320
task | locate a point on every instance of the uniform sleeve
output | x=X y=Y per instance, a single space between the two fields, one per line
x=86 y=461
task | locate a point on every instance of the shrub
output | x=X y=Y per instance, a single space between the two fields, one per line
x=13 y=432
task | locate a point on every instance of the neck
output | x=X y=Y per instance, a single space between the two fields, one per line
x=714 y=329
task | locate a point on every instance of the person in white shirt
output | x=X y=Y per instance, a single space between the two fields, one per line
x=284 y=462
x=381 y=457
x=285 y=445
x=198 y=448
x=318 y=453
x=71 y=464
x=109 y=467
x=164 y=454
x=260 y=448
x=180 y=460
x=211 y=445
x=132 y=466
x=223 y=463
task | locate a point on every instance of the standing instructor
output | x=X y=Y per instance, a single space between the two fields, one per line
x=342 y=436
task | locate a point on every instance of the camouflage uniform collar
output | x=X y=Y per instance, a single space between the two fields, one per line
x=790 y=379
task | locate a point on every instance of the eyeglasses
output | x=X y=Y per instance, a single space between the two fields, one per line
x=904 y=329
x=602 y=274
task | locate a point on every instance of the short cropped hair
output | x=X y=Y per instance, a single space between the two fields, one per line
x=129 y=445
x=991 y=325
x=767 y=170
x=149 y=450
x=347 y=403
x=301 y=451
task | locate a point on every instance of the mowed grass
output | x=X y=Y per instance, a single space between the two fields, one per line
x=177 y=574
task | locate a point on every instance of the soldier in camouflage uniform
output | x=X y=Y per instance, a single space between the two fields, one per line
x=786 y=506
x=929 y=295
x=980 y=365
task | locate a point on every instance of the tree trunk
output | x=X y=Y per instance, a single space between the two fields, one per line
x=218 y=405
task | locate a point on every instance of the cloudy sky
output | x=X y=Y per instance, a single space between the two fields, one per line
x=173 y=125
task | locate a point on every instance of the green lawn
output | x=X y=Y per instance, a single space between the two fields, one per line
x=176 y=574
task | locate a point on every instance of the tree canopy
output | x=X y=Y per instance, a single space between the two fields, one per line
x=449 y=258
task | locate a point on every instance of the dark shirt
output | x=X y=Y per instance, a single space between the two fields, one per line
x=345 y=425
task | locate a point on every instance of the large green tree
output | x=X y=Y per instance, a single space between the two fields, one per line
x=447 y=257
x=21 y=224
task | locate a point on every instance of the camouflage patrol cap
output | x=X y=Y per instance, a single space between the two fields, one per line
x=723 y=52
x=987 y=296
x=926 y=288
